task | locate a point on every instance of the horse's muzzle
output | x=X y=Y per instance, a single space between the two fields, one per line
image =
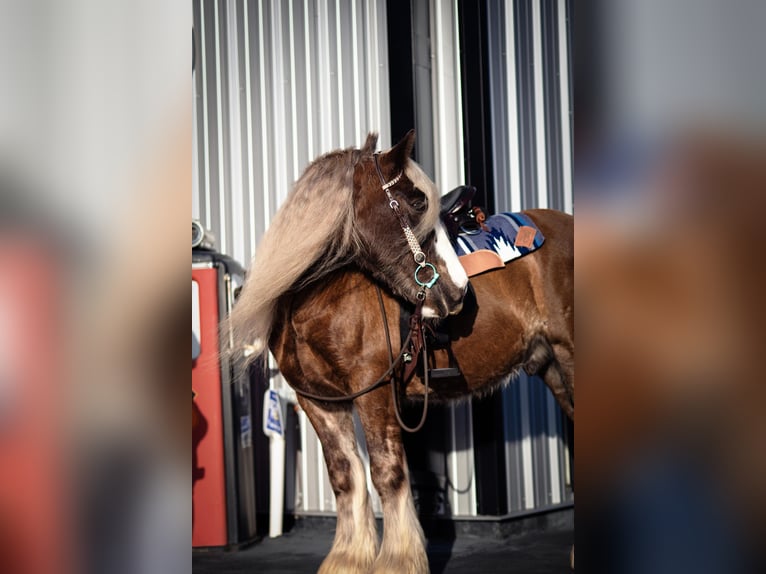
x=452 y=300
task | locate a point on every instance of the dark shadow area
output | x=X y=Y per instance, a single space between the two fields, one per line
x=478 y=548
x=426 y=456
x=199 y=430
x=259 y=378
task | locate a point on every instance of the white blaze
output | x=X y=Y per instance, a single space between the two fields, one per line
x=445 y=250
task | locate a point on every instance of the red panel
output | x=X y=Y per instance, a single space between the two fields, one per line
x=208 y=475
x=33 y=486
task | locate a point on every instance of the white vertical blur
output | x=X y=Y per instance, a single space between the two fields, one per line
x=565 y=112
x=537 y=69
x=449 y=167
x=512 y=105
x=446 y=90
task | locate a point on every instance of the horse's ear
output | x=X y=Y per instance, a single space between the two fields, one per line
x=370 y=144
x=400 y=153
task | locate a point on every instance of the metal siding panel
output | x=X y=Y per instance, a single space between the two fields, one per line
x=302 y=481
x=513 y=451
x=422 y=85
x=565 y=99
x=235 y=229
x=553 y=120
x=498 y=108
x=313 y=460
x=198 y=157
x=215 y=139
x=537 y=430
x=461 y=482
x=527 y=470
x=450 y=172
x=282 y=124
x=358 y=131
x=526 y=105
x=261 y=105
x=568 y=426
x=249 y=207
x=553 y=438
x=324 y=80
x=539 y=107
x=514 y=144
x=221 y=93
x=536 y=452
x=448 y=125
x=384 y=105
x=204 y=66
x=562 y=454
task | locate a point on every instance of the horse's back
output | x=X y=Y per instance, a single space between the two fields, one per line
x=556 y=225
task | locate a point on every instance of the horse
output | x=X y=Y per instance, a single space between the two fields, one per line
x=359 y=236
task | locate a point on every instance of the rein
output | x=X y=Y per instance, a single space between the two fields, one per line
x=415 y=343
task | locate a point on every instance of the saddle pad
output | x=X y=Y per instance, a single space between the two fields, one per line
x=510 y=235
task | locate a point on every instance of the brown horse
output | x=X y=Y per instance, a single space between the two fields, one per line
x=312 y=294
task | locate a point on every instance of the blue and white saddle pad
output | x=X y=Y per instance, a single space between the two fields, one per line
x=501 y=237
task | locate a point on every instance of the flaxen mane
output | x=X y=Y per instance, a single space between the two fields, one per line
x=311 y=234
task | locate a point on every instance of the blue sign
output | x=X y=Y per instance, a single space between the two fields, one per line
x=272 y=415
x=246 y=433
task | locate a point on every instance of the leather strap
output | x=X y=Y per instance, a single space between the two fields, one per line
x=414 y=344
x=480 y=261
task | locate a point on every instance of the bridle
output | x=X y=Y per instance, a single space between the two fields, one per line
x=415 y=344
x=417 y=252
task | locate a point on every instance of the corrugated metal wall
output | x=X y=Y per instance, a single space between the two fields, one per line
x=277 y=83
x=530 y=93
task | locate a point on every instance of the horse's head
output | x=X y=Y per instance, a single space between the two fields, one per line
x=403 y=241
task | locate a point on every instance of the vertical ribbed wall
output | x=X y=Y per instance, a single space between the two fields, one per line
x=278 y=83
x=532 y=156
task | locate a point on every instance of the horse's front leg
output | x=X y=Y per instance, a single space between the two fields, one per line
x=356 y=539
x=403 y=548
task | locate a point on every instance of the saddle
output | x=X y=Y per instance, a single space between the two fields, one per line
x=458 y=212
x=460 y=216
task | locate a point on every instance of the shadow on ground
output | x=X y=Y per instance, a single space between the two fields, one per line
x=302 y=549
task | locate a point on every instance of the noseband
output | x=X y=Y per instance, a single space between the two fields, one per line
x=417 y=252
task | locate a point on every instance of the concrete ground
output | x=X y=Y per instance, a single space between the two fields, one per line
x=475 y=551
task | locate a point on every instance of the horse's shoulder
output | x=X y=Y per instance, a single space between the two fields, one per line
x=328 y=297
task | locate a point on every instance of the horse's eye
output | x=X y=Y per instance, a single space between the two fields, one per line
x=420 y=203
